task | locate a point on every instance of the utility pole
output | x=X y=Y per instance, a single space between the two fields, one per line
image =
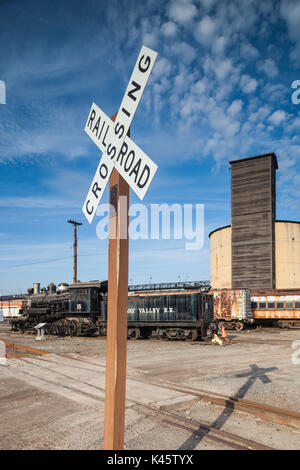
x=75 y=249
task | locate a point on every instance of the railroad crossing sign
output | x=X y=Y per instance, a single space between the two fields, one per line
x=118 y=149
x=124 y=164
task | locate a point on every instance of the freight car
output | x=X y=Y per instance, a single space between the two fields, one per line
x=81 y=309
x=276 y=307
x=240 y=308
x=232 y=308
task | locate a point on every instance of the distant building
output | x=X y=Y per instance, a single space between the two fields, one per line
x=256 y=250
x=10 y=306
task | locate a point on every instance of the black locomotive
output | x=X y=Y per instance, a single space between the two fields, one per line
x=81 y=310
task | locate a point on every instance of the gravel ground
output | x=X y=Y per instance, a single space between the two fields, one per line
x=57 y=402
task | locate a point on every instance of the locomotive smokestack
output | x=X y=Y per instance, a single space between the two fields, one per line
x=36 y=288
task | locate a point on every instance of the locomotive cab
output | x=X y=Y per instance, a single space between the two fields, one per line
x=86 y=298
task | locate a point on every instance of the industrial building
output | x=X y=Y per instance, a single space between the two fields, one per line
x=256 y=250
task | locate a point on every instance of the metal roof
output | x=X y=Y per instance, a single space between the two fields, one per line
x=271 y=154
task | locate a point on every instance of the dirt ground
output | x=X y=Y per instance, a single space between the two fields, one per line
x=56 y=401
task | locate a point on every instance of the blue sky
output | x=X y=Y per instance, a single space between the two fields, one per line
x=220 y=90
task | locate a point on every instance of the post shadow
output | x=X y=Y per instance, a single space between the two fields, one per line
x=254 y=374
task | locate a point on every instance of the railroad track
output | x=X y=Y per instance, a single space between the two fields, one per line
x=196 y=428
x=260 y=410
x=17 y=351
x=202 y=430
x=265 y=412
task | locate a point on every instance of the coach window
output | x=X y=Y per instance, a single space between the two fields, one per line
x=279 y=305
x=253 y=305
x=262 y=305
x=289 y=305
x=271 y=305
x=297 y=304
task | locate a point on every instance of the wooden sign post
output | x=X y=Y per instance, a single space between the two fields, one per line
x=116 y=345
x=124 y=163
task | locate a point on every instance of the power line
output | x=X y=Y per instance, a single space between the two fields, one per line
x=41 y=262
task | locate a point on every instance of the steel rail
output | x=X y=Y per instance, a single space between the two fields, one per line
x=205 y=430
x=199 y=429
x=266 y=412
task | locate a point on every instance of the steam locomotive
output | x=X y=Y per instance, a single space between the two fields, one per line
x=81 y=310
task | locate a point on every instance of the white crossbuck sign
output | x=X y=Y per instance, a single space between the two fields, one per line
x=118 y=149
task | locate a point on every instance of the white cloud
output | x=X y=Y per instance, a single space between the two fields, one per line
x=235 y=107
x=248 y=84
x=290 y=11
x=205 y=30
x=185 y=52
x=277 y=117
x=219 y=45
x=182 y=11
x=269 y=67
x=223 y=68
x=248 y=51
x=207 y=4
x=169 y=29
x=259 y=115
x=162 y=67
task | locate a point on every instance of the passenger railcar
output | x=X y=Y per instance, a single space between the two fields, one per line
x=276 y=307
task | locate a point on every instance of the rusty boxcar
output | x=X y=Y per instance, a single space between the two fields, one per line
x=232 y=307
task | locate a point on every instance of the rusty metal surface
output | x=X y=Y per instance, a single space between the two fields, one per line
x=276 y=292
x=11 y=349
x=232 y=304
x=289 y=307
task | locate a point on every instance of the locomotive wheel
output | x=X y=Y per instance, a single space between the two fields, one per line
x=194 y=335
x=160 y=333
x=134 y=333
x=60 y=328
x=73 y=328
x=239 y=326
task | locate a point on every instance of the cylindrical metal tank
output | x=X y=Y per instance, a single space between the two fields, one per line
x=287 y=254
x=220 y=258
x=36 y=288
